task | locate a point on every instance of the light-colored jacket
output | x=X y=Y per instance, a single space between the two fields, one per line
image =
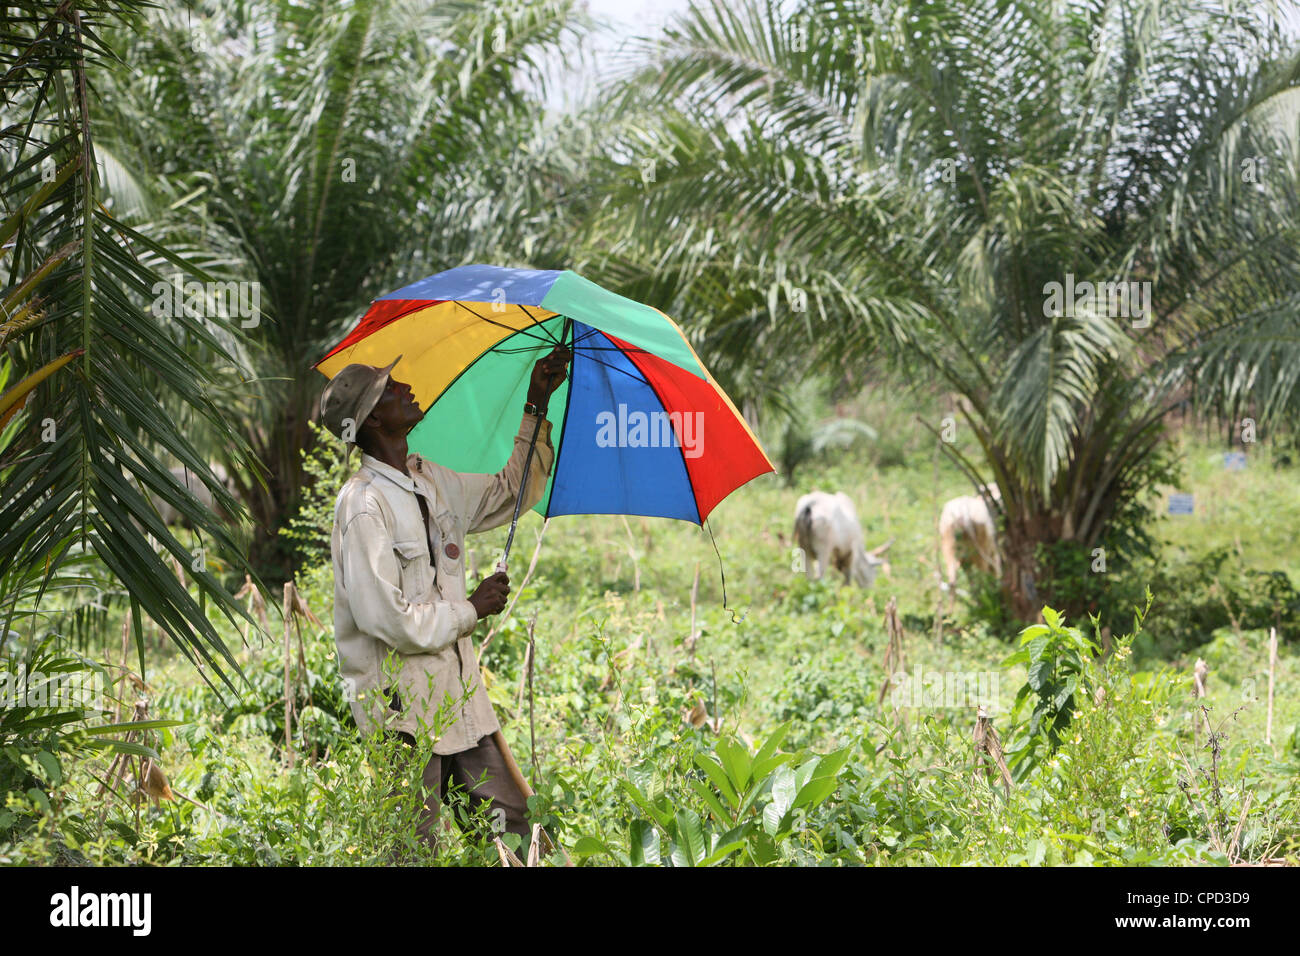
x=389 y=598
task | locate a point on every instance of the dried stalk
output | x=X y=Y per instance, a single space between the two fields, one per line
x=535 y=845
x=1199 y=674
x=987 y=743
x=507 y=857
x=894 y=660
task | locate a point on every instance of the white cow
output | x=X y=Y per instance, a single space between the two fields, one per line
x=968 y=518
x=826 y=528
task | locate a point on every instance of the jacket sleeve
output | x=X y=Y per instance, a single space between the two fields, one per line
x=490 y=499
x=373 y=580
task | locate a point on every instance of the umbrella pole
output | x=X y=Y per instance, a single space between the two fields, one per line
x=511 y=766
x=528 y=461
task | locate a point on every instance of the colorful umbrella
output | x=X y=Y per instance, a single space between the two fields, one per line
x=639 y=427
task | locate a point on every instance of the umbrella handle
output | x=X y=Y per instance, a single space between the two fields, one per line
x=532 y=444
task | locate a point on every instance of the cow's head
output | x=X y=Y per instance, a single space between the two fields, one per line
x=876 y=562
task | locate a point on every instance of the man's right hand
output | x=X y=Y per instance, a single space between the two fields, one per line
x=490 y=595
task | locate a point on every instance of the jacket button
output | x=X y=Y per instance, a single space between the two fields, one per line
x=453 y=552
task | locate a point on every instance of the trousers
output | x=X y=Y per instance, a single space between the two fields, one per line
x=507 y=808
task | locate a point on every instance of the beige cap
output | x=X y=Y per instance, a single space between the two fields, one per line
x=352 y=394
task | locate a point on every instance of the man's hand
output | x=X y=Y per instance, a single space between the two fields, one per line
x=548 y=373
x=490 y=595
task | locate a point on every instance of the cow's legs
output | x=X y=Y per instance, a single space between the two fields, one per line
x=948 y=546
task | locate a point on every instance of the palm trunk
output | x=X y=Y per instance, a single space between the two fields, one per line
x=1020 y=575
x=279 y=446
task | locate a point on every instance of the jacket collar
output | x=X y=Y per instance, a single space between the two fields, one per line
x=404 y=481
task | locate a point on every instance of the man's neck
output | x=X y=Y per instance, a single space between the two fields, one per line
x=390 y=449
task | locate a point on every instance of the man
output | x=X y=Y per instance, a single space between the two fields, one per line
x=402 y=620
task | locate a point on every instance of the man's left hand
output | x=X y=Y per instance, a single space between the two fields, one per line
x=548 y=373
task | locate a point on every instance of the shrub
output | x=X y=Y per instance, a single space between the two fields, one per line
x=1199 y=596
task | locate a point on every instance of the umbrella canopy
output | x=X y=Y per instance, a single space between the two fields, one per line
x=639 y=427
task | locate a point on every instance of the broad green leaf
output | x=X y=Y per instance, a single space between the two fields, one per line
x=815 y=791
x=834 y=762
x=765 y=766
x=1036 y=648
x=723 y=851
x=590 y=846
x=736 y=761
x=718 y=776
x=643 y=843
x=773 y=741
x=1035 y=852
x=711 y=801
x=661 y=817
x=763 y=849
x=737 y=834
x=690 y=835
x=50 y=764
x=783 y=790
x=772 y=817
x=1032 y=633
x=805 y=773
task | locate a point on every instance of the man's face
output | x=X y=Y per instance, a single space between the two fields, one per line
x=396 y=409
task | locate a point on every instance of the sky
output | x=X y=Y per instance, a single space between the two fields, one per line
x=626 y=18
x=629 y=18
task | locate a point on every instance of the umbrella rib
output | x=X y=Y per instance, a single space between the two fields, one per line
x=548 y=340
x=544 y=341
x=539 y=324
x=532 y=348
x=586 y=349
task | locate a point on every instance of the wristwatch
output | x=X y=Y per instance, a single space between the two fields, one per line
x=530 y=408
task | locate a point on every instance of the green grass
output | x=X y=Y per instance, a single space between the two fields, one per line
x=613 y=682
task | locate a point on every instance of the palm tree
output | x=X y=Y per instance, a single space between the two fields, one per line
x=946 y=171
x=84 y=423
x=340 y=150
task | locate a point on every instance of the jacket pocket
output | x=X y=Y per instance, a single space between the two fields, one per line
x=413 y=557
x=451 y=572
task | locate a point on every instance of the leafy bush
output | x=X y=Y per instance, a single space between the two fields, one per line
x=748 y=806
x=1213 y=591
x=826 y=697
x=50 y=701
x=1057 y=659
x=326 y=467
x=1071 y=579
